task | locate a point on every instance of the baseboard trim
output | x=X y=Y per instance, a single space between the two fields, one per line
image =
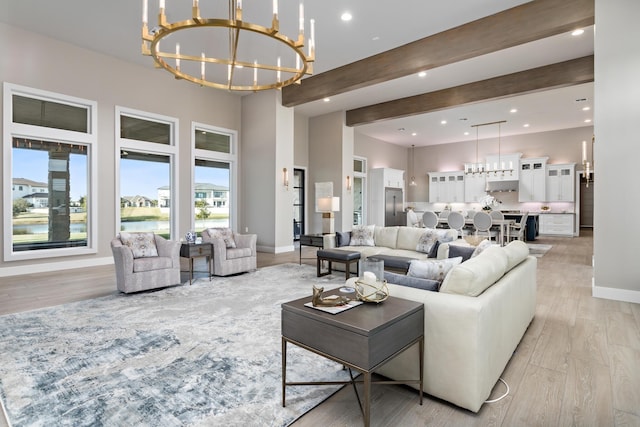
x=275 y=249
x=54 y=266
x=616 y=294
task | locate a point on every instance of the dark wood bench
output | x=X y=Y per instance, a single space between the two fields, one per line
x=336 y=255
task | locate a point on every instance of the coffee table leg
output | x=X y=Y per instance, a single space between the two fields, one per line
x=367 y=398
x=284 y=369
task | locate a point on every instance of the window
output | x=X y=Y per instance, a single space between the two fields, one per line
x=147 y=180
x=359 y=190
x=214 y=177
x=49 y=174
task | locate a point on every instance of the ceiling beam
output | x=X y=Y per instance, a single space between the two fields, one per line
x=562 y=74
x=528 y=22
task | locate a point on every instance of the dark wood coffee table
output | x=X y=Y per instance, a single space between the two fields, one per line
x=362 y=338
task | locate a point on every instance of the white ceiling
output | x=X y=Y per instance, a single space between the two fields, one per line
x=113 y=27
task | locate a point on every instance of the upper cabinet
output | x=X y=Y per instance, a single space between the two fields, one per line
x=446 y=187
x=532 y=184
x=391 y=177
x=474 y=187
x=560 y=183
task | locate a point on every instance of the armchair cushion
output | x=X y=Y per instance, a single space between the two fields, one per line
x=141 y=244
x=234 y=253
x=151 y=263
x=222 y=233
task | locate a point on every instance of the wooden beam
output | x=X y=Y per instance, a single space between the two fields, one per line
x=568 y=73
x=531 y=21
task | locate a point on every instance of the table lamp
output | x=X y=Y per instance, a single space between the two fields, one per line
x=328 y=205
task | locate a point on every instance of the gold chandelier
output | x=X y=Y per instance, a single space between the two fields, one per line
x=227 y=65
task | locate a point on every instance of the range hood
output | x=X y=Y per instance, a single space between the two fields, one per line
x=502 y=186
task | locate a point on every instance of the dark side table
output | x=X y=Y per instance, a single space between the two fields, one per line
x=363 y=338
x=316 y=240
x=195 y=250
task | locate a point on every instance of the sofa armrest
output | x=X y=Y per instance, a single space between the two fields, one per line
x=122 y=257
x=246 y=241
x=169 y=249
x=328 y=241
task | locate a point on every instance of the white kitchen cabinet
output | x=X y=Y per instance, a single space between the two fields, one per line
x=532 y=183
x=446 y=187
x=553 y=224
x=379 y=180
x=560 y=183
x=474 y=187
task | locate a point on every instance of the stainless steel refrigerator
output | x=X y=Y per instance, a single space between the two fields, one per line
x=394 y=213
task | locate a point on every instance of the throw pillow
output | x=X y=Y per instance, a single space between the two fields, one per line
x=433 y=253
x=481 y=247
x=461 y=251
x=432 y=269
x=427 y=240
x=343 y=238
x=362 y=235
x=141 y=244
x=223 y=233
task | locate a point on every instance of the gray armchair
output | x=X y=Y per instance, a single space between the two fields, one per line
x=230 y=260
x=146 y=272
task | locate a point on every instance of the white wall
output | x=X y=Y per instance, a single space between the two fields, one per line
x=35 y=61
x=617 y=67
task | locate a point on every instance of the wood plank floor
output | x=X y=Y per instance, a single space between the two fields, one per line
x=577 y=365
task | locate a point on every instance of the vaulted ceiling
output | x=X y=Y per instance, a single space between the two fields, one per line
x=482 y=59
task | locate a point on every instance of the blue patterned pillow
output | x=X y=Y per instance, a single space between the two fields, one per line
x=141 y=244
x=432 y=269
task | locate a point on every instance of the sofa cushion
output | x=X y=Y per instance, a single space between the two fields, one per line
x=432 y=269
x=408 y=237
x=386 y=236
x=517 y=251
x=223 y=233
x=362 y=235
x=343 y=238
x=461 y=251
x=142 y=245
x=477 y=274
x=411 y=282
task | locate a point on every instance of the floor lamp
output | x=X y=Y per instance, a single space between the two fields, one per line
x=328 y=205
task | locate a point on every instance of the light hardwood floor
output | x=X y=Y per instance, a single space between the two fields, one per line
x=577 y=365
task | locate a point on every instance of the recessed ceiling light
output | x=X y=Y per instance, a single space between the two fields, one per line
x=346 y=16
x=586 y=108
x=422 y=74
x=443 y=122
x=577 y=32
x=466 y=133
x=414 y=133
x=513 y=110
x=526 y=125
x=327 y=99
x=587 y=121
x=375 y=38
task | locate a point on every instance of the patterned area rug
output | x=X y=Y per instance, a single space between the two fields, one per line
x=200 y=355
x=538 y=250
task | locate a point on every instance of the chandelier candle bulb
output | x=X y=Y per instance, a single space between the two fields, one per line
x=301 y=26
x=161 y=4
x=177 y=56
x=145 y=11
x=278 y=72
x=275 y=7
x=202 y=66
x=312 y=37
x=255 y=73
x=584 y=151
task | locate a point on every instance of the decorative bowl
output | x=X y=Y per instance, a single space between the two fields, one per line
x=474 y=240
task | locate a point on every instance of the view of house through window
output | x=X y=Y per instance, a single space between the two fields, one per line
x=145 y=195
x=49 y=194
x=212 y=194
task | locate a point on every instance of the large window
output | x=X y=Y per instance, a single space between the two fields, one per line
x=214 y=177
x=147 y=180
x=48 y=167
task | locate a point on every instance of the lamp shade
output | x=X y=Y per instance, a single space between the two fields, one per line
x=329 y=204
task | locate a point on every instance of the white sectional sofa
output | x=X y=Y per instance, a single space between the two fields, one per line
x=472 y=325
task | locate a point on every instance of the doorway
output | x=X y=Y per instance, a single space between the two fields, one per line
x=586 y=201
x=298 y=203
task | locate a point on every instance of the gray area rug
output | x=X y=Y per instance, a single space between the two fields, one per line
x=538 y=249
x=201 y=355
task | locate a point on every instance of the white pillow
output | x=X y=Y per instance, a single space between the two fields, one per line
x=362 y=235
x=481 y=247
x=427 y=240
x=432 y=269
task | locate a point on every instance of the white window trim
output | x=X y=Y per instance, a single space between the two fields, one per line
x=365 y=194
x=170 y=150
x=20 y=130
x=231 y=158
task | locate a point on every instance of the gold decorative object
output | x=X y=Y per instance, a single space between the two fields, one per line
x=371 y=290
x=318 y=301
x=474 y=240
x=234 y=69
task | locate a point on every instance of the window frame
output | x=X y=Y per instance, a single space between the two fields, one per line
x=18 y=130
x=217 y=156
x=145 y=147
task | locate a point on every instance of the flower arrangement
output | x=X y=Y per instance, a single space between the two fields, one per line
x=489 y=202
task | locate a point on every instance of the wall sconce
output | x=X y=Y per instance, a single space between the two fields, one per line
x=348 y=183
x=285 y=178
